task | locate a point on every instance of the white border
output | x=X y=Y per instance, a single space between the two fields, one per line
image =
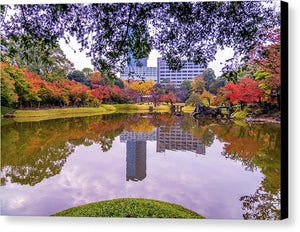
x=47 y=224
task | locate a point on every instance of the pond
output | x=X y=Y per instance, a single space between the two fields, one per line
x=217 y=168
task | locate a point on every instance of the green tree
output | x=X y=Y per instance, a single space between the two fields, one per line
x=209 y=77
x=8 y=95
x=198 y=84
x=20 y=84
x=186 y=86
x=219 y=82
x=79 y=77
x=87 y=72
x=47 y=61
x=190 y=29
x=193 y=99
x=120 y=83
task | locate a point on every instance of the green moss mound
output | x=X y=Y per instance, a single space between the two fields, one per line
x=130 y=207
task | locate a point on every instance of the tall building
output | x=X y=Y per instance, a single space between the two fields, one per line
x=139 y=72
x=188 y=72
x=137 y=68
x=174 y=138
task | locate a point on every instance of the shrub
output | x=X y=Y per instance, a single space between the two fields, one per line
x=240 y=114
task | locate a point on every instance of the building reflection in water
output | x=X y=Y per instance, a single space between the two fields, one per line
x=168 y=138
x=136 y=153
x=174 y=138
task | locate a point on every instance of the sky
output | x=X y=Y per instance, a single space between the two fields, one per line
x=81 y=61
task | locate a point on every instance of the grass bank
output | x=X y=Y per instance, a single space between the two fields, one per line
x=130 y=207
x=46 y=114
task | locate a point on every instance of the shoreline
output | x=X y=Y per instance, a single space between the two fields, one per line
x=262 y=119
x=24 y=115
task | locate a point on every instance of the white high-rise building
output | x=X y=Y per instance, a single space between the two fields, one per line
x=188 y=72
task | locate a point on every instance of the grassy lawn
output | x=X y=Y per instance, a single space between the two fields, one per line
x=130 y=207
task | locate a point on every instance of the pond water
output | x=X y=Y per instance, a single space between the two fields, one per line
x=220 y=169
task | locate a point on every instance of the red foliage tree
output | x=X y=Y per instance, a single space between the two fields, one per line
x=246 y=91
x=168 y=98
x=100 y=93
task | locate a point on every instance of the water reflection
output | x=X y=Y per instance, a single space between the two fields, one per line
x=136 y=160
x=31 y=152
x=174 y=138
x=256 y=147
x=236 y=176
x=136 y=153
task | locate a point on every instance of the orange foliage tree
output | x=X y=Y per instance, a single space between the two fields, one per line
x=207 y=96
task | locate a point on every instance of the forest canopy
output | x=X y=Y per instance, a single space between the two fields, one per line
x=110 y=31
